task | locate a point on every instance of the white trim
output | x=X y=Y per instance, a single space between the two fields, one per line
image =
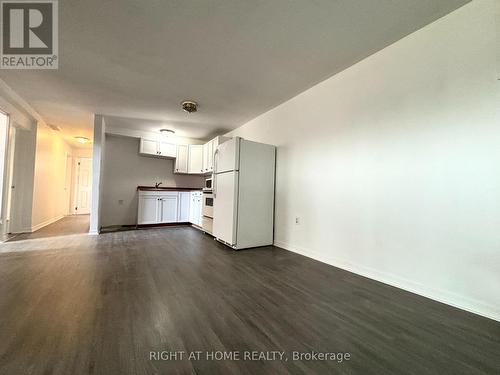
x=46 y=222
x=497 y=36
x=20 y=102
x=443 y=296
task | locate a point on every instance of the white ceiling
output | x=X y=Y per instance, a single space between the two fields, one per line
x=137 y=60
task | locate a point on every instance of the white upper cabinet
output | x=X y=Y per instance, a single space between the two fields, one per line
x=209 y=149
x=205 y=157
x=157 y=148
x=167 y=150
x=148 y=147
x=192 y=159
x=181 y=161
x=210 y=156
x=195 y=160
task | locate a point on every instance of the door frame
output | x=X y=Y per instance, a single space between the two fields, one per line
x=7 y=193
x=76 y=174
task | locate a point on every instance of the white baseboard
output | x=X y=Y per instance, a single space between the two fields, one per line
x=443 y=296
x=45 y=223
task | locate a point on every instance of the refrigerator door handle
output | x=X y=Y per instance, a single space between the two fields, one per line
x=215 y=173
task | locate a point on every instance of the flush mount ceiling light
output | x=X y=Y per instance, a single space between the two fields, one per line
x=167 y=132
x=82 y=140
x=54 y=127
x=189 y=106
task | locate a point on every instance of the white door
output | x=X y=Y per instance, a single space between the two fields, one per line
x=148 y=210
x=149 y=147
x=195 y=159
x=227 y=156
x=181 y=161
x=83 y=185
x=225 y=207
x=169 y=208
x=168 y=150
x=184 y=204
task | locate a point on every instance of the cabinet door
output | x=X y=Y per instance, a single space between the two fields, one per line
x=199 y=209
x=192 y=208
x=148 y=210
x=181 y=161
x=184 y=204
x=205 y=157
x=195 y=159
x=169 y=208
x=148 y=147
x=210 y=162
x=167 y=150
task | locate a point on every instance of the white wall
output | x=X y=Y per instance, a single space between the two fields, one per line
x=98 y=150
x=23 y=173
x=124 y=170
x=393 y=164
x=50 y=199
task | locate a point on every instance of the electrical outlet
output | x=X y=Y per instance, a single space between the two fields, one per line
x=297 y=220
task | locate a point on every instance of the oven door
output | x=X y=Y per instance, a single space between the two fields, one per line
x=208 y=204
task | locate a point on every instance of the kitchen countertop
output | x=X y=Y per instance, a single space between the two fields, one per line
x=166 y=188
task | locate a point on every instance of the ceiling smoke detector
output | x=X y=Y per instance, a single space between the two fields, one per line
x=189 y=106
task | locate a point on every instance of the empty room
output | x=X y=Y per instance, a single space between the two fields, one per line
x=250 y=187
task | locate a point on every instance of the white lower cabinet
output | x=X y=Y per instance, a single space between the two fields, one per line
x=169 y=207
x=149 y=212
x=161 y=207
x=184 y=201
x=195 y=208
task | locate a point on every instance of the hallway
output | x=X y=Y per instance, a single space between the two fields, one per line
x=68 y=225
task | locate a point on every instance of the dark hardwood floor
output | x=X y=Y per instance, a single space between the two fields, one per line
x=101 y=304
x=68 y=225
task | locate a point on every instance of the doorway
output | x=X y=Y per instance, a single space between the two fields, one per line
x=83 y=186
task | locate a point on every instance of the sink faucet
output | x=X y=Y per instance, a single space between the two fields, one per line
x=157 y=185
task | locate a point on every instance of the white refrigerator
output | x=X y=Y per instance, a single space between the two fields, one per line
x=244 y=174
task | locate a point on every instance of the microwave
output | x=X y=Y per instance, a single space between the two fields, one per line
x=208 y=184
